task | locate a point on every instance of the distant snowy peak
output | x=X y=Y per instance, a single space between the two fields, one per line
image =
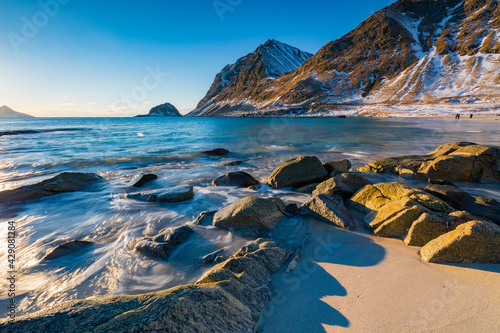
x=280 y=58
x=6 y=112
x=247 y=75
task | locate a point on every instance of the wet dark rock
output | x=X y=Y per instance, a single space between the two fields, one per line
x=309 y=188
x=144 y=179
x=173 y=194
x=440 y=182
x=165 y=243
x=67 y=248
x=175 y=235
x=216 y=152
x=461 y=200
x=63 y=182
x=161 y=250
x=215 y=257
x=204 y=216
x=298 y=172
x=234 y=163
x=292 y=209
x=255 y=187
x=342 y=165
x=238 y=179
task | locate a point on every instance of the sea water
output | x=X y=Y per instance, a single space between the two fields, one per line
x=121 y=149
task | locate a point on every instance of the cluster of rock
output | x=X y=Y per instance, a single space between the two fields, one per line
x=449 y=224
x=456 y=161
x=230 y=297
x=422 y=219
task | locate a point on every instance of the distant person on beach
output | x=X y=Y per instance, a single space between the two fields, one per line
x=471 y=116
x=457 y=116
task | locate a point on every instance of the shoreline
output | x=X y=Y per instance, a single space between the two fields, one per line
x=344 y=279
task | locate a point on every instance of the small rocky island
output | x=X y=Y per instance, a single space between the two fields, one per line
x=6 y=112
x=163 y=110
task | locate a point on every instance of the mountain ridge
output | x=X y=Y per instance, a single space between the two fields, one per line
x=412 y=51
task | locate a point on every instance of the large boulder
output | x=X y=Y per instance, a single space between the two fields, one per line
x=330 y=209
x=373 y=197
x=221 y=301
x=376 y=217
x=173 y=194
x=238 y=179
x=345 y=184
x=250 y=212
x=456 y=161
x=471 y=242
x=426 y=228
x=298 y=172
x=63 y=182
x=398 y=225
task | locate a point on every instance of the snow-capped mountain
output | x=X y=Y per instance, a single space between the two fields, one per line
x=5 y=111
x=443 y=53
x=248 y=76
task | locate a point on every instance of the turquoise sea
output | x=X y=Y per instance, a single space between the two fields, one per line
x=121 y=149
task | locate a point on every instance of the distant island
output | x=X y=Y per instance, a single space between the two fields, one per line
x=6 y=112
x=163 y=110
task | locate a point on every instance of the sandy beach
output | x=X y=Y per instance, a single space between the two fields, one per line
x=357 y=282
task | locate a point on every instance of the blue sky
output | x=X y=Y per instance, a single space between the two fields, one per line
x=120 y=58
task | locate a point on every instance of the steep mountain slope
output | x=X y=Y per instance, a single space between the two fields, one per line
x=249 y=75
x=413 y=51
x=5 y=111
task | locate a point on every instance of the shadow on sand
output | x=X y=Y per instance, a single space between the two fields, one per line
x=297 y=304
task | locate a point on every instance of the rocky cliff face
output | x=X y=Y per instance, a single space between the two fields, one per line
x=164 y=110
x=413 y=51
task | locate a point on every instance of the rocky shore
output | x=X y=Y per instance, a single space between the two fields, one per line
x=440 y=221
